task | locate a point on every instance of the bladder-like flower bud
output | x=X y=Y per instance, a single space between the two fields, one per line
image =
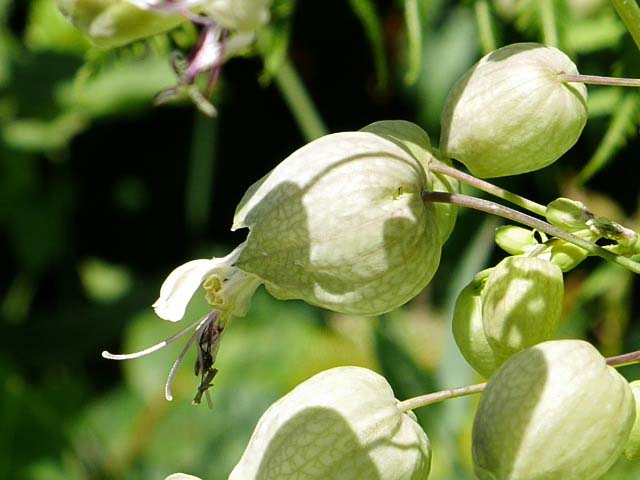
x=554 y=411
x=510 y=113
x=112 y=23
x=341 y=423
x=506 y=309
x=415 y=140
x=341 y=224
x=632 y=447
x=468 y=329
x=521 y=304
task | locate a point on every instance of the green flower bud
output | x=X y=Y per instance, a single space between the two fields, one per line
x=112 y=23
x=572 y=216
x=632 y=447
x=566 y=256
x=517 y=240
x=554 y=411
x=521 y=304
x=341 y=224
x=510 y=114
x=342 y=423
x=468 y=329
x=416 y=141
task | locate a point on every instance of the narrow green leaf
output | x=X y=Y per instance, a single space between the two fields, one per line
x=623 y=126
x=366 y=12
x=414 y=40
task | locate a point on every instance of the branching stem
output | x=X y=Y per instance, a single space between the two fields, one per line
x=489 y=188
x=516 y=216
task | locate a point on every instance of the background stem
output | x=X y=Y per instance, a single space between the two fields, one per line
x=485 y=26
x=548 y=22
x=299 y=102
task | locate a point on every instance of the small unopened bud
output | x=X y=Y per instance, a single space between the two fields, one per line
x=517 y=240
x=554 y=411
x=572 y=216
x=511 y=114
x=566 y=256
x=342 y=423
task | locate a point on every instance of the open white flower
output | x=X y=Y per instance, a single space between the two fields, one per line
x=340 y=224
x=228 y=291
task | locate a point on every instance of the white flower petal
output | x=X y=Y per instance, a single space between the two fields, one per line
x=181 y=476
x=179 y=287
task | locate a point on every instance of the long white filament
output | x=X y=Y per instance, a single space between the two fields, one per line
x=129 y=356
x=176 y=364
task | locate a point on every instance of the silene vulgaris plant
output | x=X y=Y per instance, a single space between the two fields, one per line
x=355 y=222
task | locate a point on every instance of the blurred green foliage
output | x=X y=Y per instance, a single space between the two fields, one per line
x=101 y=195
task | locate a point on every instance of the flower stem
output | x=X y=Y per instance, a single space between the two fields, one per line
x=430 y=398
x=624 y=359
x=629 y=12
x=489 y=188
x=435 y=397
x=299 y=102
x=523 y=218
x=598 y=80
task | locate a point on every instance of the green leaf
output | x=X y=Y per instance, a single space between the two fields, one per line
x=368 y=15
x=623 y=126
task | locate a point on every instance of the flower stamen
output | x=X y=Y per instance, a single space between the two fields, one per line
x=158 y=346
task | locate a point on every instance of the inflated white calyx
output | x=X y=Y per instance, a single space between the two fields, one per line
x=508 y=308
x=510 y=113
x=341 y=224
x=416 y=141
x=555 y=411
x=632 y=447
x=468 y=330
x=521 y=304
x=342 y=423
